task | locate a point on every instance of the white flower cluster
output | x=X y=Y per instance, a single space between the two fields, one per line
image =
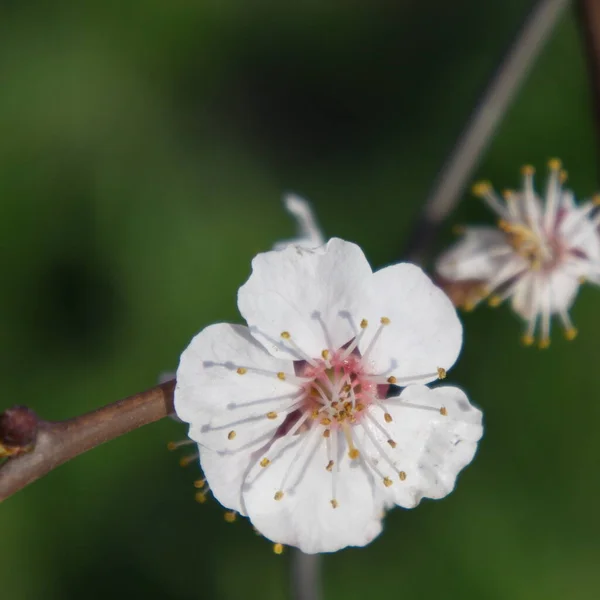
x=538 y=256
x=315 y=418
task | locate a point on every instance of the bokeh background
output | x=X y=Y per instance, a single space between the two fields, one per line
x=144 y=149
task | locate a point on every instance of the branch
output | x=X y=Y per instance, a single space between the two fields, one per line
x=54 y=443
x=588 y=12
x=465 y=156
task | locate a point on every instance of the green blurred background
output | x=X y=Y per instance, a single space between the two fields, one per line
x=144 y=149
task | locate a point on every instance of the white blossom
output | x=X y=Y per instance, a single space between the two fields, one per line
x=298 y=415
x=538 y=255
x=309 y=232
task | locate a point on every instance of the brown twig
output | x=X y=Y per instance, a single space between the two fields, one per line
x=477 y=134
x=60 y=441
x=588 y=12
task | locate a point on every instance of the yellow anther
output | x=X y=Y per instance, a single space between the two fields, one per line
x=444 y=411
x=346 y=389
x=326 y=433
x=200 y=497
x=325 y=354
x=199 y=483
x=353 y=454
x=329 y=466
x=184 y=461
x=527 y=340
x=554 y=164
x=278 y=495
x=495 y=301
x=441 y=373
x=281 y=375
x=315 y=413
x=278 y=548
x=172 y=446
x=563 y=176
x=391 y=379
x=508 y=194
x=392 y=443
x=272 y=415
x=325 y=421
x=387 y=417
x=265 y=462
x=231 y=435
x=230 y=516
x=596 y=199
x=385 y=321
x=387 y=481
x=527 y=170
x=360 y=406
x=364 y=324
x=481 y=188
x=402 y=475
x=285 y=335
x=469 y=305
x=544 y=343
x=242 y=370
x=334 y=503
x=570 y=333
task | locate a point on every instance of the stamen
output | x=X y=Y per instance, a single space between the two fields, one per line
x=199 y=483
x=241 y=370
x=230 y=516
x=271 y=415
x=444 y=411
x=329 y=466
x=384 y=321
x=278 y=495
x=265 y=462
x=184 y=461
x=485 y=191
x=402 y=475
x=552 y=193
x=387 y=481
x=334 y=503
x=231 y=435
x=278 y=548
x=174 y=445
x=350 y=349
x=570 y=330
x=200 y=497
x=281 y=375
x=288 y=338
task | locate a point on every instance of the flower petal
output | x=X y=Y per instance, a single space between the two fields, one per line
x=478 y=255
x=305 y=292
x=304 y=517
x=423 y=333
x=430 y=448
x=228 y=410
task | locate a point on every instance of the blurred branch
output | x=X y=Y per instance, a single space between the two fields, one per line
x=306 y=576
x=54 y=443
x=477 y=134
x=589 y=20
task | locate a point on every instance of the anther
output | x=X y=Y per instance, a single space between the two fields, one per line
x=481 y=188
x=527 y=170
x=265 y=462
x=495 y=301
x=325 y=421
x=346 y=389
x=271 y=415
x=554 y=164
x=184 y=461
x=402 y=475
x=174 y=445
x=278 y=495
x=563 y=176
x=392 y=443
x=391 y=379
x=444 y=411
x=230 y=516
x=388 y=417
x=353 y=453
x=315 y=413
x=387 y=481
x=325 y=354
x=364 y=324
x=385 y=321
x=278 y=548
x=326 y=433
x=231 y=435
x=596 y=200
x=200 y=497
x=544 y=343
x=570 y=333
x=441 y=373
x=334 y=503
x=527 y=340
x=360 y=406
x=329 y=466
x=199 y=483
x=281 y=375
x=285 y=335
x=241 y=370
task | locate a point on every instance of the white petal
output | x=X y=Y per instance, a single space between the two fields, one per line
x=562 y=287
x=424 y=331
x=304 y=517
x=478 y=255
x=216 y=400
x=308 y=293
x=431 y=449
x=309 y=233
